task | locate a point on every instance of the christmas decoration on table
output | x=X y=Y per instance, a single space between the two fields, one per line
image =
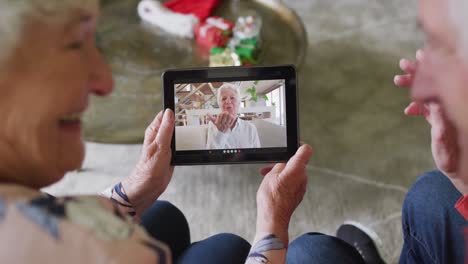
x=223 y=57
x=246 y=42
x=214 y=32
x=202 y=9
x=247 y=49
x=177 y=17
x=247 y=27
x=228 y=44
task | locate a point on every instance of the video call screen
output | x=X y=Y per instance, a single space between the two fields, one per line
x=230 y=116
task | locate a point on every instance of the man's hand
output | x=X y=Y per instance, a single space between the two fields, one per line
x=443 y=134
x=153 y=172
x=280 y=193
x=224 y=121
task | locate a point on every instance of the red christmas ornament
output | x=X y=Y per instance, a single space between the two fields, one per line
x=214 y=32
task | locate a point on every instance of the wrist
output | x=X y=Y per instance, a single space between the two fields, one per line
x=279 y=230
x=118 y=195
x=138 y=197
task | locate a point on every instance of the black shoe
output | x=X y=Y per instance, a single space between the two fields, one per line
x=360 y=238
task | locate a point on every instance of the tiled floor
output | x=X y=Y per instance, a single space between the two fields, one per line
x=367 y=153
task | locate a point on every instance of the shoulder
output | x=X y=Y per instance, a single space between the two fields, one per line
x=67 y=226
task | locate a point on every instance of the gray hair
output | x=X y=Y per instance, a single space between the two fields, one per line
x=228 y=86
x=458 y=12
x=14 y=15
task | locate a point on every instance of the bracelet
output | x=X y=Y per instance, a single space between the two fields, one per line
x=268 y=243
x=119 y=197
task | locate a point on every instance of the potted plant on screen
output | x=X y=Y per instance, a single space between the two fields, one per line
x=254 y=98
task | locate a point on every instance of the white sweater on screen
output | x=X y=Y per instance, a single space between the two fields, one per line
x=243 y=135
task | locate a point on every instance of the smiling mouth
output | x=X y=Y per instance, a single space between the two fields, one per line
x=72 y=121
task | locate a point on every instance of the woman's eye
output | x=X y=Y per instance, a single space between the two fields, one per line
x=75 y=45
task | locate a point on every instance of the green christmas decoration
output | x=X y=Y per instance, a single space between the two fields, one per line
x=247 y=49
x=217 y=50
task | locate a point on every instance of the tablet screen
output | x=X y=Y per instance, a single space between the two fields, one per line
x=230 y=117
x=227 y=115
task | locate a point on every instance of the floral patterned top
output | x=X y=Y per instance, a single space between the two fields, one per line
x=39 y=228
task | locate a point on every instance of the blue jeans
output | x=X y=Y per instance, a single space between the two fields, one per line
x=432 y=227
x=166 y=223
x=322 y=249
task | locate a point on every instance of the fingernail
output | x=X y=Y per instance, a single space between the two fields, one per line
x=168 y=114
x=404 y=63
x=406 y=110
x=420 y=54
x=306 y=147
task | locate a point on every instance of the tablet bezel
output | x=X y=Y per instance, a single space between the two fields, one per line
x=230 y=74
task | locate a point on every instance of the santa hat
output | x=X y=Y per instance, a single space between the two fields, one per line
x=178 y=17
x=200 y=8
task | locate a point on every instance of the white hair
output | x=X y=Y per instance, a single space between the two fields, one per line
x=458 y=12
x=228 y=86
x=15 y=13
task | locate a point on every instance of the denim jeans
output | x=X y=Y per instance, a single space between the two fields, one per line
x=432 y=227
x=166 y=223
x=323 y=249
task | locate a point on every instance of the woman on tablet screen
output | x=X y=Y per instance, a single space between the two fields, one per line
x=227 y=131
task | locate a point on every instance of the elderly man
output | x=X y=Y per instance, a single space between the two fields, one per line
x=227 y=131
x=435 y=210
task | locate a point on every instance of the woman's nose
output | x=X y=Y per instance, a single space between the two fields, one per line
x=101 y=82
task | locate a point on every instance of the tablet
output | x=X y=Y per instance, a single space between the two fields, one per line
x=228 y=115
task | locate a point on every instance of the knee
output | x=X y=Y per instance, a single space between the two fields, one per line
x=320 y=248
x=227 y=244
x=164 y=208
x=232 y=240
x=221 y=248
x=165 y=205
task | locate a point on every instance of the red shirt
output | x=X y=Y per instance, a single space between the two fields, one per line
x=462 y=208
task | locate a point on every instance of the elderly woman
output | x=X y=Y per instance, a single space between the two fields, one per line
x=227 y=131
x=49 y=66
